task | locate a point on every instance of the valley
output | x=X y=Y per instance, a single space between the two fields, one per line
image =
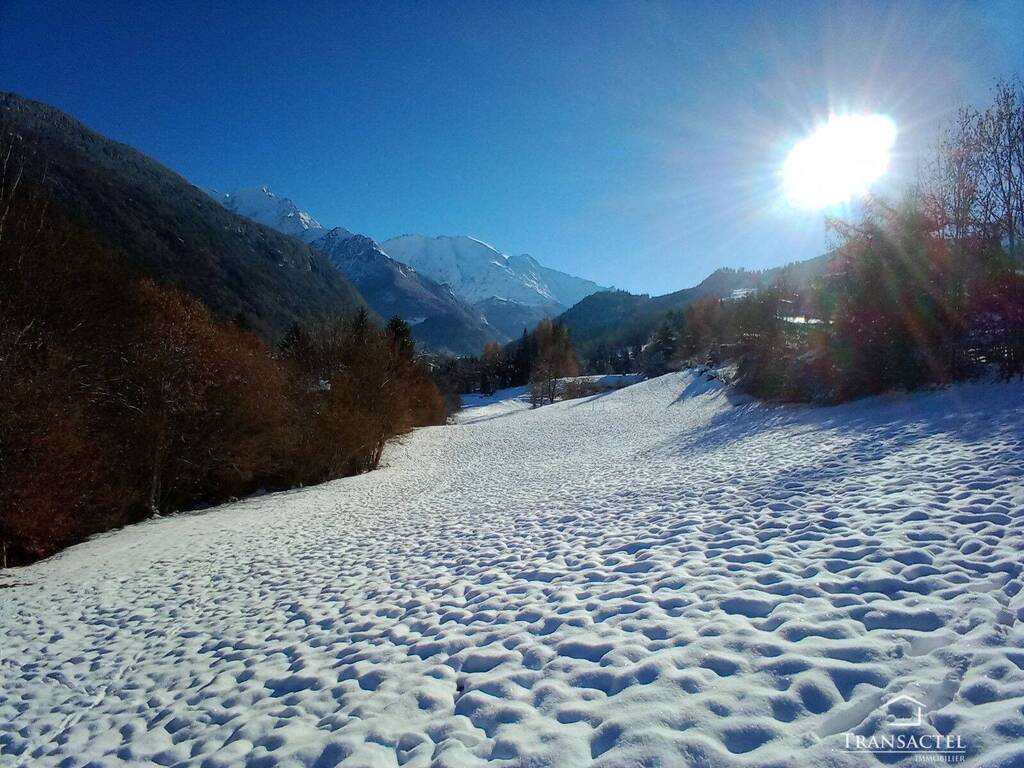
x=666 y=574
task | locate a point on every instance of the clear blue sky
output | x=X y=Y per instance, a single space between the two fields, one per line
x=634 y=143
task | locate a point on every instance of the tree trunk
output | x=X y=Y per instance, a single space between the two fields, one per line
x=156 y=462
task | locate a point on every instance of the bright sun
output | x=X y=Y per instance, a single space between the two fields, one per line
x=839 y=160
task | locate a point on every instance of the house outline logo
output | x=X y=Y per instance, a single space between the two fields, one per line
x=912 y=722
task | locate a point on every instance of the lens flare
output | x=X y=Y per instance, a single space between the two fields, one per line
x=839 y=161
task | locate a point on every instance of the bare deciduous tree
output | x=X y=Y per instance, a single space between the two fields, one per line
x=1001 y=133
x=975 y=183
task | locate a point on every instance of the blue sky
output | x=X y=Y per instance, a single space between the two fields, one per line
x=634 y=143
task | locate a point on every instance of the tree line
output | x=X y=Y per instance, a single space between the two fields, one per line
x=539 y=359
x=121 y=398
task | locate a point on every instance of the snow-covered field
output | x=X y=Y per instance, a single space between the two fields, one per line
x=655 y=576
x=479 y=407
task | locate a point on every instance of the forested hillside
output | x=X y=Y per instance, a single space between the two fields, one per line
x=168 y=229
x=613 y=324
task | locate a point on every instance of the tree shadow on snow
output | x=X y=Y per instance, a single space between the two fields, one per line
x=970 y=412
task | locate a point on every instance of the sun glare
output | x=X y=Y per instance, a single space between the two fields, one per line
x=839 y=161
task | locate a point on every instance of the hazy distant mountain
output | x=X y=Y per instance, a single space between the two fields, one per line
x=169 y=229
x=477 y=271
x=567 y=289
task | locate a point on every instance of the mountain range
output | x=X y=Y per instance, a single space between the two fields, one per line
x=440 y=320
x=457 y=292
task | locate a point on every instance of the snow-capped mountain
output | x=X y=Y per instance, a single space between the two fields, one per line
x=263 y=206
x=477 y=271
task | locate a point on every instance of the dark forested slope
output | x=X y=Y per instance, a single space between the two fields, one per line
x=167 y=228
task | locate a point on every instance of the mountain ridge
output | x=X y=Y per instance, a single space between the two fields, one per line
x=439 y=319
x=619 y=318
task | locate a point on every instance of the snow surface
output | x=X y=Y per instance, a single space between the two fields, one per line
x=477 y=407
x=661 y=575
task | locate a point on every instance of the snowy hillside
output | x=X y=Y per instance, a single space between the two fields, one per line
x=477 y=271
x=263 y=206
x=655 y=576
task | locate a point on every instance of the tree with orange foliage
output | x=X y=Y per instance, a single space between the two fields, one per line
x=555 y=359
